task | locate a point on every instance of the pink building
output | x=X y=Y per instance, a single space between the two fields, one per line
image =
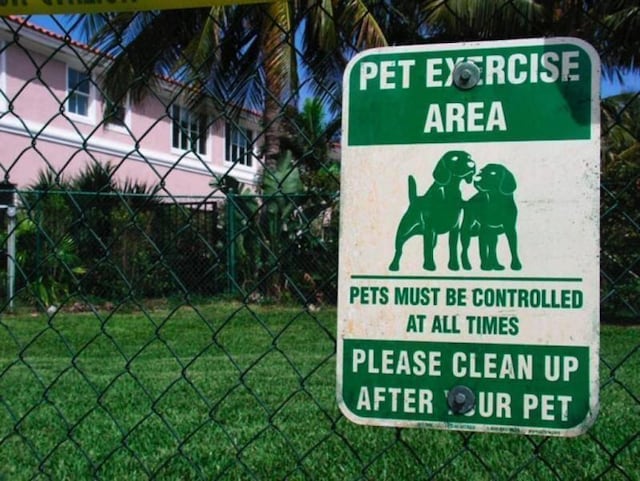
x=53 y=116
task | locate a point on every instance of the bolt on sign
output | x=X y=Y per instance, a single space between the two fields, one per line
x=469 y=244
x=51 y=7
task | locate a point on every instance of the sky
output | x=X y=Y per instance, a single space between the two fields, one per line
x=629 y=82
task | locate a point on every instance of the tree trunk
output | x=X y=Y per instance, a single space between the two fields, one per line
x=276 y=53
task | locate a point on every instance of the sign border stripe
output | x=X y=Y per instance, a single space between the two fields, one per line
x=469 y=278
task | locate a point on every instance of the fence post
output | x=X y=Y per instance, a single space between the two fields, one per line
x=11 y=257
x=231 y=243
x=38 y=228
x=8 y=202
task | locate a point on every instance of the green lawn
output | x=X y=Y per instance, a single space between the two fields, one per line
x=226 y=391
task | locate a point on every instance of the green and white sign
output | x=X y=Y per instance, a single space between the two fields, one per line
x=469 y=246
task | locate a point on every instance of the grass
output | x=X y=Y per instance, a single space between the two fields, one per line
x=233 y=392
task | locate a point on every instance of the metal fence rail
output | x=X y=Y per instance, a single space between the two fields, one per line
x=171 y=262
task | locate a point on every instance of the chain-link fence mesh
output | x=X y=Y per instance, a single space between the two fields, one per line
x=169 y=214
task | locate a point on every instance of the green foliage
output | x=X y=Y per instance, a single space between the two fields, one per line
x=276 y=239
x=309 y=136
x=56 y=273
x=188 y=247
x=620 y=205
x=118 y=241
x=114 y=241
x=48 y=262
x=282 y=220
x=242 y=246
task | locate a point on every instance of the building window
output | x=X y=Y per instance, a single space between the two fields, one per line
x=117 y=114
x=189 y=130
x=238 y=145
x=78 y=92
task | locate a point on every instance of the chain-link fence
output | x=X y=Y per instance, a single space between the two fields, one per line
x=170 y=213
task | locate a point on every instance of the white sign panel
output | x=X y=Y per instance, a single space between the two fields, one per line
x=469 y=245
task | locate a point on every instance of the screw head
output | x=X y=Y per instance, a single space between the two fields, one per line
x=466 y=75
x=461 y=399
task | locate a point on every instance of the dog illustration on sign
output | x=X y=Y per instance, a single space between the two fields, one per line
x=438 y=211
x=489 y=213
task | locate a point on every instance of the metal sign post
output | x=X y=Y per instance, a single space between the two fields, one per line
x=469 y=244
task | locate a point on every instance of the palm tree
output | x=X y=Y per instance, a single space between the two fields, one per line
x=242 y=56
x=459 y=20
x=612 y=27
x=308 y=133
x=255 y=56
x=619 y=34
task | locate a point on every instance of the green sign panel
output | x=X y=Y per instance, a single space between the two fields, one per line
x=469 y=246
x=524 y=93
x=532 y=386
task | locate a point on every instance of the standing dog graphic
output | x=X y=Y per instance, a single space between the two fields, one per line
x=438 y=211
x=489 y=213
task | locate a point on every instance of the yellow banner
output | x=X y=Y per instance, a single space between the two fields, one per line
x=50 y=7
